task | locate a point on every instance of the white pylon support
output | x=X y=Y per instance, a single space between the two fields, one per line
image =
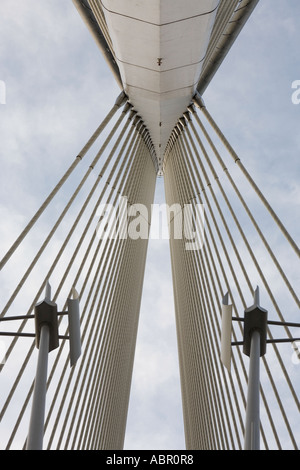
x=46 y=340
x=252 y=433
x=255 y=339
x=36 y=426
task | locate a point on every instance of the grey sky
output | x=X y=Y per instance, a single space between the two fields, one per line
x=59 y=88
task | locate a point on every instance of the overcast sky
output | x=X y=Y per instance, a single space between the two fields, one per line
x=59 y=88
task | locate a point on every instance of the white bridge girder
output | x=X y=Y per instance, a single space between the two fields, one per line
x=159 y=47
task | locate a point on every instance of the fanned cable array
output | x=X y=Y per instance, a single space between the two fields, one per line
x=223 y=239
x=235 y=255
x=87 y=405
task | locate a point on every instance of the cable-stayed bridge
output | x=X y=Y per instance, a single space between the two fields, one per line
x=163 y=55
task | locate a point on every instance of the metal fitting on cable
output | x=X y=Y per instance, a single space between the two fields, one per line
x=187 y=116
x=136 y=119
x=145 y=135
x=179 y=128
x=198 y=100
x=140 y=126
x=191 y=108
x=183 y=121
x=150 y=144
x=143 y=131
x=147 y=139
x=177 y=131
x=122 y=98
x=131 y=115
x=167 y=148
x=171 y=138
x=127 y=107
